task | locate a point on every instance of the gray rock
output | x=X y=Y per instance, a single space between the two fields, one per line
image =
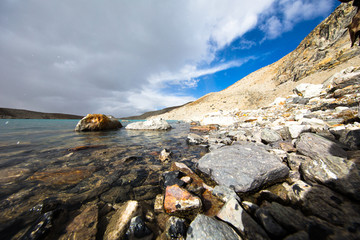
x=195 y=139
x=204 y=227
x=243 y=167
x=295 y=160
x=270 y=136
x=225 y=193
x=156 y=124
x=233 y=213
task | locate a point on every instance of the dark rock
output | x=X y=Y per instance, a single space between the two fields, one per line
x=204 y=227
x=116 y=194
x=97 y=122
x=138 y=229
x=172 y=178
x=40 y=227
x=302 y=235
x=84 y=225
x=176 y=228
x=146 y=192
x=269 y=223
x=234 y=214
x=244 y=167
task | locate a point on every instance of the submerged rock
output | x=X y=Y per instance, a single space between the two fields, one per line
x=204 y=227
x=244 y=167
x=120 y=221
x=97 y=122
x=156 y=124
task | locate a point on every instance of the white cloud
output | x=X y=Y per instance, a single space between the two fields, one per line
x=285 y=14
x=87 y=55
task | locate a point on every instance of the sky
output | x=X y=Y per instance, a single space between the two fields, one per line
x=124 y=58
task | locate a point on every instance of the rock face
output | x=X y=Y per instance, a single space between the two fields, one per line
x=97 y=122
x=156 y=124
x=244 y=167
x=204 y=227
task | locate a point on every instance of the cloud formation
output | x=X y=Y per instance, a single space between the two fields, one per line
x=117 y=56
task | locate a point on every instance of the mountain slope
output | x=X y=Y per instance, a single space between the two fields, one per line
x=9 y=113
x=325 y=51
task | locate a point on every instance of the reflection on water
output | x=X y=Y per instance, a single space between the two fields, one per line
x=38 y=167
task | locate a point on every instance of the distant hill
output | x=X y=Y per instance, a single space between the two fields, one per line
x=152 y=113
x=9 y=113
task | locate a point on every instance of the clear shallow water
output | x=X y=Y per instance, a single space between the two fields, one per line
x=36 y=165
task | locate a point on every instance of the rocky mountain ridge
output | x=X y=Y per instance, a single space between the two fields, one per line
x=325 y=51
x=10 y=113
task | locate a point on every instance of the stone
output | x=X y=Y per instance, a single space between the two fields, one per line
x=308 y=90
x=296 y=130
x=269 y=223
x=270 y=136
x=97 y=122
x=180 y=202
x=287 y=147
x=138 y=230
x=84 y=225
x=176 y=228
x=8 y=175
x=165 y=155
x=351 y=139
x=244 y=167
x=155 y=124
x=225 y=193
x=195 y=139
x=295 y=160
x=172 y=178
x=159 y=203
x=298 y=191
x=329 y=165
x=62 y=176
x=120 y=221
x=234 y=214
x=40 y=227
x=116 y=194
x=302 y=235
x=204 y=227
x=250 y=207
x=205 y=128
x=211 y=203
x=146 y=192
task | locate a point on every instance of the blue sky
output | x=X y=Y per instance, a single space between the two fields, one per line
x=127 y=57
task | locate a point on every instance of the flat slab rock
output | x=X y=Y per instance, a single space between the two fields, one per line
x=244 y=167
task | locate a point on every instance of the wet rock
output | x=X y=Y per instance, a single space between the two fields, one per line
x=172 y=178
x=40 y=227
x=80 y=148
x=211 y=204
x=204 y=227
x=180 y=202
x=176 y=228
x=8 y=175
x=270 y=136
x=165 y=155
x=97 y=122
x=195 y=139
x=155 y=124
x=244 y=167
x=159 y=203
x=234 y=214
x=84 y=225
x=269 y=223
x=116 y=194
x=205 y=128
x=120 y=221
x=63 y=175
x=138 y=230
x=146 y=192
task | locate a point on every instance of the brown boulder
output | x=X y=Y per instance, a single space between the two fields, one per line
x=97 y=122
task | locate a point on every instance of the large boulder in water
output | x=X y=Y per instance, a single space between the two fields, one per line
x=244 y=167
x=97 y=122
x=156 y=124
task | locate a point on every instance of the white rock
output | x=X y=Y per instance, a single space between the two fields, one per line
x=155 y=124
x=308 y=90
x=296 y=130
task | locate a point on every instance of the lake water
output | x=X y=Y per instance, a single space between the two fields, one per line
x=40 y=167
